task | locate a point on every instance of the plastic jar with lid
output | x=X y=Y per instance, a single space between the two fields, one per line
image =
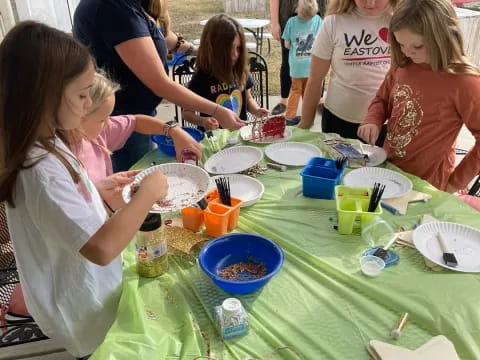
x=232 y=319
x=151 y=248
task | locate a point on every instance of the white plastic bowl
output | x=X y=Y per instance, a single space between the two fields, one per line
x=371 y=265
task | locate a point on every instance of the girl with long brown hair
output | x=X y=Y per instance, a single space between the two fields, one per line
x=66 y=248
x=222 y=72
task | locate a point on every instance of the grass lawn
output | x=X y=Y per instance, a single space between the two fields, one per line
x=186 y=15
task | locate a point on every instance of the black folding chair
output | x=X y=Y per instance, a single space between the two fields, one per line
x=259 y=72
x=25 y=330
x=183 y=70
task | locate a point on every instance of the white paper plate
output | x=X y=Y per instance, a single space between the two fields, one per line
x=463 y=241
x=376 y=154
x=187 y=184
x=396 y=184
x=233 y=160
x=292 y=153
x=242 y=187
x=246 y=135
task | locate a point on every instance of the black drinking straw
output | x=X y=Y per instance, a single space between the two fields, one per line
x=229 y=197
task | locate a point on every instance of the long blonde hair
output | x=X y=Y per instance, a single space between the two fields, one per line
x=436 y=21
x=346 y=6
x=101 y=90
x=307 y=8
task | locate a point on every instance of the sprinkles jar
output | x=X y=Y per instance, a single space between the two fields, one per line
x=151 y=248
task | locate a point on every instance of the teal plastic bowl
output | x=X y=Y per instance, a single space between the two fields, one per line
x=231 y=249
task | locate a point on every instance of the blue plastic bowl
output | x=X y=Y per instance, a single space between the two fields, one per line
x=234 y=248
x=165 y=143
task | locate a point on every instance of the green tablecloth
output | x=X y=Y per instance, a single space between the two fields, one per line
x=319 y=306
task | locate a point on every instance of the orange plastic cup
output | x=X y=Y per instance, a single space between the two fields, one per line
x=234 y=211
x=192 y=218
x=216 y=218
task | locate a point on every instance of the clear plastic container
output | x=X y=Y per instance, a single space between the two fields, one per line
x=151 y=248
x=378 y=231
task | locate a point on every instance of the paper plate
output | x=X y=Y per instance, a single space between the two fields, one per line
x=242 y=187
x=246 y=135
x=187 y=184
x=292 y=153
x=376 y=154
x=233 y=160
x=396 y=184
x=463 y=241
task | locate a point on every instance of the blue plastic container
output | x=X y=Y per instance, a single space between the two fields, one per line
x=231 y=249
x=165 y=143
x=319 y=181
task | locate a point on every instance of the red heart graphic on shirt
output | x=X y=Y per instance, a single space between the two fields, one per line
x=383 y=33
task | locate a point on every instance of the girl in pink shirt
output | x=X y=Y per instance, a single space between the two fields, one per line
x=101 y=134
x=430 y=93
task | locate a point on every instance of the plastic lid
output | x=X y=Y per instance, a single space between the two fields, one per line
x=151 y=222
x=231 y=306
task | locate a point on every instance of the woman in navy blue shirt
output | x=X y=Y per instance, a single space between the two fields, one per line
x=127 y=43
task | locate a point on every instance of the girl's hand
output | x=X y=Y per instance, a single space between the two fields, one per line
x=369 y=133
x=261 y=112
x=228 y=119
x=110 y=188
x=182 y=140
x=155 y=185
x=210 y=123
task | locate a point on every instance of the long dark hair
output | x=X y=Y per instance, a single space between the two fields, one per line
x=37 y=62
x=214 y=55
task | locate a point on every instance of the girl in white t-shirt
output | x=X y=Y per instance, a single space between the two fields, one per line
x=352 y=43
x=66 y=248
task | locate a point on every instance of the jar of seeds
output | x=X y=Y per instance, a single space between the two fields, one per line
x=232 y=319
x=151 y=248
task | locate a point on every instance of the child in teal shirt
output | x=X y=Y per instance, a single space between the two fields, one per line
x=299 y=35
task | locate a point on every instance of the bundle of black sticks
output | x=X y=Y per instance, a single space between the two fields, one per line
x=376 y=196
x=223 y=186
